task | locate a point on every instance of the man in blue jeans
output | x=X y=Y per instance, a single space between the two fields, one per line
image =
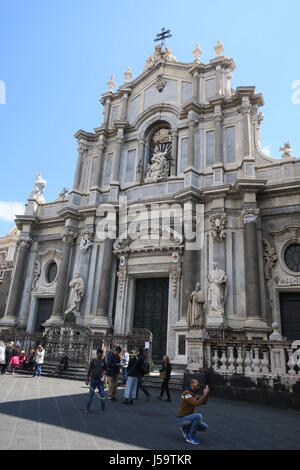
x=95 y=377
x=189 y=421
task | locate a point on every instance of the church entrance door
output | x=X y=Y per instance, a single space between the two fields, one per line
x=151 y=312
x=290 y=315
x=44 y=312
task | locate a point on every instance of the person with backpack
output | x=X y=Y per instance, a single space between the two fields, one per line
x=145 y=370
x=95 y=378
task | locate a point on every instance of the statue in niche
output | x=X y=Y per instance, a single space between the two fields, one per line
x=76 y=295
x=196 y=311
x=217 y=280
x=158 y=169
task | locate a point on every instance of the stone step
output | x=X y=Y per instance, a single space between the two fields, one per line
x=79 y=373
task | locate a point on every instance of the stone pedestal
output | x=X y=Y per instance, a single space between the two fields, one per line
x=195 y=349
x=214 y=320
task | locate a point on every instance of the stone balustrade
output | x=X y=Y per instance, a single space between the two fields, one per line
x=252 y=359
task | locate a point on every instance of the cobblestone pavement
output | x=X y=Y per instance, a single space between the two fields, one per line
x=48 y=414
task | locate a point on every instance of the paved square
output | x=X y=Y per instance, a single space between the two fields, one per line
x=48 y=414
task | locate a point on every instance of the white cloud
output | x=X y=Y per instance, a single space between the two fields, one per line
x=8 y=210
x=267 y=150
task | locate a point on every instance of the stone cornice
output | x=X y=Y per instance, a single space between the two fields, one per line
x=189 y=195
x=69 y=212
x=89 y=136
x=281 y=189
x=249 y=185
x=216 y=192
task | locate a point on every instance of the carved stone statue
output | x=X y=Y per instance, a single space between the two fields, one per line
x=63 y=194
x=87 y=241
x=218 y=227
x=76 y=295
x=195 y=312
x=286 y=150
x=158 y=170
x=217 y=280
x=38 y=189
x=36 y=273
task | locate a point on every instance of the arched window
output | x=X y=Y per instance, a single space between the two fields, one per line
x=159 y=153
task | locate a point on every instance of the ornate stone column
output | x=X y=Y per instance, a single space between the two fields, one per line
x=101 y=147
x=78 y=172
x=124 y=107
x=117 y=157
x=62 y=280
x=218 y=165
x=246 y=110
x=173 y=171
x=105 y=280
x=107 y=108
x=191 y=144
x=141 y=153
x=251 y=263
x=218 y=135
x=196 y=85
x=16 y=289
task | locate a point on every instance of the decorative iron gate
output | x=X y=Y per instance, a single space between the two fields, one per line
x=77 y=342
x=73 y=341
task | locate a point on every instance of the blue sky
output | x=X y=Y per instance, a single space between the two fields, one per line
x=57 y=55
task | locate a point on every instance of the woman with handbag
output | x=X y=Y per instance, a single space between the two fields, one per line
x=165 y=375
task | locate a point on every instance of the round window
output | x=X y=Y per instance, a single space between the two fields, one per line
x=51 y=272
x=292 y=257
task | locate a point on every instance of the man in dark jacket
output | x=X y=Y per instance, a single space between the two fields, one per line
x=95 y=377
x=145 y=370
x=113 y=363
x=134 y=370
x=189 y=421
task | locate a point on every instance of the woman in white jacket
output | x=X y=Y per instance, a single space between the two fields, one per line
x=38 y=361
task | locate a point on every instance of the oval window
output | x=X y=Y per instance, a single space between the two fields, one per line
x=292 y=257
x=51 y=272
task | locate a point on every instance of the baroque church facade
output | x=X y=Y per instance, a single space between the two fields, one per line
x=178 y=136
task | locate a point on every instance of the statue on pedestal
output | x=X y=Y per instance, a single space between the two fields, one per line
x=217 y=280
x=195 y=312
x=76 y=295
x=38 y=189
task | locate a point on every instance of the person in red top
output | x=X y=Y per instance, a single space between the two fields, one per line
x=14 y=363
x=189 y=421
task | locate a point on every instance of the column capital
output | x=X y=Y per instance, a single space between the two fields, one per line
x=250 y=215
x=246 y=105
x=69 y=237
x=218 y=113
x=24 y=242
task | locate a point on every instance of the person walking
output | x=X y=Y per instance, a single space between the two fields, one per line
x=165 y=375
x=124 y=364
x=189 y=421
x=95 y=378
x=145 y=370
x=38 y=361
x=113 y=364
